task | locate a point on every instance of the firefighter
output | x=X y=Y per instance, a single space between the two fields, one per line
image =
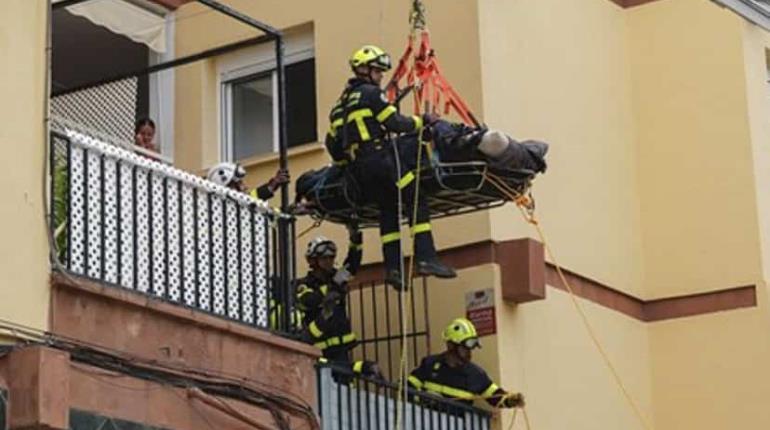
x=231 y=175
x=322 y=296
x=451 y=374
x=360 y=122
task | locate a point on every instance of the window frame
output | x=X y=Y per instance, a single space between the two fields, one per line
x=240 y=71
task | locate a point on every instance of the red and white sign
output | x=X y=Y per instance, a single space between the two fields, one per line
x=480 y=310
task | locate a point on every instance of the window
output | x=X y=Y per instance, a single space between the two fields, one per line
x=249 y=105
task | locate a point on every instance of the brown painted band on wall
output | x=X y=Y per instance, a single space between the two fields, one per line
x=524 y=274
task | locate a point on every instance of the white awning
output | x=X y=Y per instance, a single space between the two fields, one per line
x=127 y=19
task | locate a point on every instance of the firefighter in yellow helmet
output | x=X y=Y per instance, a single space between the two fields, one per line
x=361 y=121
x=451 y=374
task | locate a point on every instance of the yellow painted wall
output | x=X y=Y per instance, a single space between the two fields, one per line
x=558 y=71
x=694 y=152
x=756 y=44
x=710 y=371
x=24 y=248
x=545 y=352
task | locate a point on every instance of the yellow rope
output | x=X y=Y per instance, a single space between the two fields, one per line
x=405 y=298
x=316 y=224
x=516 y=196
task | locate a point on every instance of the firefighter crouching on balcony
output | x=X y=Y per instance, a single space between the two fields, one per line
x=360 y=122
x=231 y=175
x=451 y=374
x=322 y=297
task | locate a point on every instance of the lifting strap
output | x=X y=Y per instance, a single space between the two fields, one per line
x=421 y=72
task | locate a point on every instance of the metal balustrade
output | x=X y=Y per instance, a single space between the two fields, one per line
x=354 y=402
x=129 y=221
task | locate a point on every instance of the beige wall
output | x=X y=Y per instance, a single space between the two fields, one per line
x=710 y=372
x=756 y=43
x=694 y=153
x=24 y=248
x=557 y=71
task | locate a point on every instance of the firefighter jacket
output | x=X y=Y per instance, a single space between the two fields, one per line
x=463 y=384
x=313 y=294
x=363 y=115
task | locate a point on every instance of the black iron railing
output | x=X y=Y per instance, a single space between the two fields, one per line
x=383 y=323
x=129 y=221
x=354 y=402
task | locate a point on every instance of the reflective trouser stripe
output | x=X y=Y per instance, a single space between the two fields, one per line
x=421 y=228
x=390 y=237
x=405 y=180
x=358 y=366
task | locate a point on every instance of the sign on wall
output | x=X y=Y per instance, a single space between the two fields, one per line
x=480 y=310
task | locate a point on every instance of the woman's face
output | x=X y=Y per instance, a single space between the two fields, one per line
x=144 y=137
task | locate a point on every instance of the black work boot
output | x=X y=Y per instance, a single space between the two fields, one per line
x=393 y=278
x=434 y=267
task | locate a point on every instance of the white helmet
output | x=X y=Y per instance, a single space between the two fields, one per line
x=321 y=247
x=225 y=173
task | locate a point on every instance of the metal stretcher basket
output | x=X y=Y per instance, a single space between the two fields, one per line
x=451 y=189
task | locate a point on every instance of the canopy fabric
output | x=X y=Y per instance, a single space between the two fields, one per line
x=127 y=19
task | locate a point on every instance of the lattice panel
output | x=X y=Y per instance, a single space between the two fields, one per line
x=127 y=220
x=76 y=218
x=218 y=255
x=108 y=110
x=174 y=248
x=233 y=247
x=111 y=220
x=247 y=265
x=189 y=245
x=159 y=223
x=142 y=225
x=261 y=273
x=149 y=227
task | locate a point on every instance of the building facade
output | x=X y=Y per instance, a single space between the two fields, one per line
x=654 y=203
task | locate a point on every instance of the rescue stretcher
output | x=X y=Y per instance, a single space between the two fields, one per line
x=451 y=188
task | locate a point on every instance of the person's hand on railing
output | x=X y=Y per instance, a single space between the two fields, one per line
x=513 y=400
x=281 y=177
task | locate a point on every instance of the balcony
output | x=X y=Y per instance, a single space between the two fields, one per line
x=351 y=402
x=131 y=222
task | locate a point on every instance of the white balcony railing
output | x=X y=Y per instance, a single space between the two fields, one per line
x=132 y=222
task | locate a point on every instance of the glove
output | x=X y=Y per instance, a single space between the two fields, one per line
x=428 y=119
x=513 y=400
x=328 y=304
x=342 y=276
x=281 y=177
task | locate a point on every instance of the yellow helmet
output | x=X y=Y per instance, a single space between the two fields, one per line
x=372 y=56
x=462 y=332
